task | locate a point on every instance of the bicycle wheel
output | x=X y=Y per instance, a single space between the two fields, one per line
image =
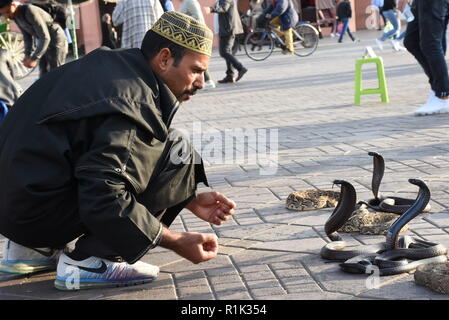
x=259 y=45
x=13 y=43
x=305 y=40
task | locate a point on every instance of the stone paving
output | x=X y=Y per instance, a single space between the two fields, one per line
x=270 y=252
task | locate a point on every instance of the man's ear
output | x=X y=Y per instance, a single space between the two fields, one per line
x=164 y=59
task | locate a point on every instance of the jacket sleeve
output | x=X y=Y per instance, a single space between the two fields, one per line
x=268 y=10
x=117 y=167
x=222 y=6
x=41 y=33
x=280 y=8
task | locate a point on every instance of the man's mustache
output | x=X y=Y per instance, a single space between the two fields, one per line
x=191 y=91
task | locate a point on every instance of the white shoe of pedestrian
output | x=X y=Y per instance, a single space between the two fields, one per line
x=332 y=35
x=379 y=44
x=433 y=106
x=395 y=45
x=96 y=272
x=400 y=47
x=209 y=84
x=18 y=259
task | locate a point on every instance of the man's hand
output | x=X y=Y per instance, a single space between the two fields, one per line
x=29 y=63
x=195 y=247
x=207 y=10
x=212 y=207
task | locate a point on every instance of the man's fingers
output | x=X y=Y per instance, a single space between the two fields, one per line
x=224 y=200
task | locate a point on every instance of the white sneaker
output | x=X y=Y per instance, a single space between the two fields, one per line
x=433 y=106
x=395 y=45
x=18 y=259
x=95 y=272
x=209 y=84
x=332 y=35
x=379 y=44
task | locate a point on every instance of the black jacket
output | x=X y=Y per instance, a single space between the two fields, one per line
x=83 y=141
x=344 y=10
x=389 y=5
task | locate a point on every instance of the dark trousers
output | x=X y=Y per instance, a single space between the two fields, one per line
x=345 y=28
x=55 y=55
x=424 y=41
x=225 y=49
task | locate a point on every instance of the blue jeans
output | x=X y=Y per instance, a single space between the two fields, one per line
x=390 y=16
x=424 y=40
x=345 y=29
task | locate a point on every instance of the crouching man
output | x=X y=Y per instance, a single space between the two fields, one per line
x=88 y=153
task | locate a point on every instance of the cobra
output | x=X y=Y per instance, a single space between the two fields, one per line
x=396 y=255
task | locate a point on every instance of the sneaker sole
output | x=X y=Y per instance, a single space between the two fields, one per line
x=61 y=284
x=418 y=114
x=25 y=268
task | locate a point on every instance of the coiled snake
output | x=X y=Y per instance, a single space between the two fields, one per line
x=396 y=255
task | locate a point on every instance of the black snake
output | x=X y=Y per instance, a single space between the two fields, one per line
x=396 y=255
x=396 y=205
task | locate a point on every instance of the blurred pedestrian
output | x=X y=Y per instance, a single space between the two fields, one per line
x=109 y=35
x=344 y=14
x=192 y=8
x=37 y=26
x=229 y=26
x=389 y=11
x=136 y=16
x=424 y=39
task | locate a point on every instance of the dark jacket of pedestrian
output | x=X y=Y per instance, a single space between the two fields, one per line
x=389 y=5
x=285 y=10
x=103 y=122
x=344 y=10
x=228 y=18
x=109 y=38
x=9 y=88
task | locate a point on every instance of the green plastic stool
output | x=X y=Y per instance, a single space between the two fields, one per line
x=382 y=89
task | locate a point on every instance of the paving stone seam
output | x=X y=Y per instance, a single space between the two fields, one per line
x=210 y=285
x=274 y=193
x=175 y=284
x=440 y=203
x=320 y=285
x=277 y=278
x=239 y=273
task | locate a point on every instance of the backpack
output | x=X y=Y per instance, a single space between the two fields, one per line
x=56 y=11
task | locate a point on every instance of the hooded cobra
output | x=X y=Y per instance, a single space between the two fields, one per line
x=396 y=205
x=396 y=255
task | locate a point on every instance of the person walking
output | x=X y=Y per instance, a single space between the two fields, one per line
x=424 y=40
x=136 y=16
x=389 y=11
x=192 y=8
x=344 y=14
x=229 y=26
x=109 y=35
x=37 y=26
x=100 y=163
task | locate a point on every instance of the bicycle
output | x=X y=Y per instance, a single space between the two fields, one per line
x=13 y=43
x=260 y=43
